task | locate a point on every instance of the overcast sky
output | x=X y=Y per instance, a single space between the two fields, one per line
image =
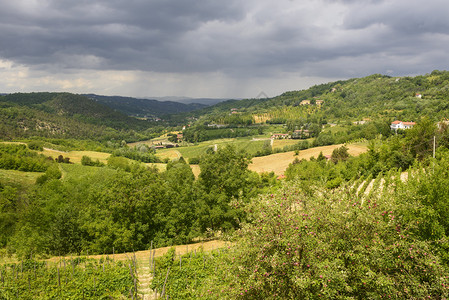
x=201 y=48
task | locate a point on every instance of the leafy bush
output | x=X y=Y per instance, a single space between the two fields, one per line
x=18 y=157
x=328 y=245
x=87 y=161
x=143 y=154
x=194 y=161
x=35 y=145
x=52 y=172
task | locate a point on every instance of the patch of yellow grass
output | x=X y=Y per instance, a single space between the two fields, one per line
x=12 y=143
x=160 y=167
x=196 y=170
x=279 y=162
x=168 y=153
x=75 y=156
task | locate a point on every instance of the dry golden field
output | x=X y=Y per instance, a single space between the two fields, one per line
x=279 y=162
x=75 y=156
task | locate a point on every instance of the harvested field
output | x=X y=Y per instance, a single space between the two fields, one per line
x=168 y=153
x=279 y=162
x=75 y=156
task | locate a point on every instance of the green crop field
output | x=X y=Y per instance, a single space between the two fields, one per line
x=249 y=145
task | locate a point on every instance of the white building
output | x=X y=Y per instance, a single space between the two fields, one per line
x=401 y=125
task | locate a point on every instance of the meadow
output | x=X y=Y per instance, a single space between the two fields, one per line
x=18 y=178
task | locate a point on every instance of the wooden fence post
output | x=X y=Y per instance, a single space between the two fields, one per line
x=165 y=282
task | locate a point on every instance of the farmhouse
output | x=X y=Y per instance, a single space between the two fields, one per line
x=305 y=102
x=319 y=102
x=401 y=125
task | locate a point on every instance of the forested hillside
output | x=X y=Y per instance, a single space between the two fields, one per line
x=374 y=97
x=64 y=115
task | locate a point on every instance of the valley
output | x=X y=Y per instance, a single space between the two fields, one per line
x=297 y=195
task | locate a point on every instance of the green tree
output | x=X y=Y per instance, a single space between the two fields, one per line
x=340 y=154
x=225 y=171
x=419 y=139
x=224 y=177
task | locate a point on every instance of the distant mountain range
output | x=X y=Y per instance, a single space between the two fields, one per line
x=188 y=100
x=144 y=107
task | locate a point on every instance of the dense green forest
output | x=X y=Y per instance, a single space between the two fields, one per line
x=336 y=227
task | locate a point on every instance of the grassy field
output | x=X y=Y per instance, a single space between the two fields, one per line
x=279 y=162
x=250 y=145
x=287 y=142
x=77 y=170
x=75 y=156
x=18 y=178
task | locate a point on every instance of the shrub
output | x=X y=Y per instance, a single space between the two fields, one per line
x=327 y=245
x=194 y=161
x=35 y=145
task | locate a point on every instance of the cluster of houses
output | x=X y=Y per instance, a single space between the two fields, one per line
x=304 y=133
x=297 y=134
x=308 y=102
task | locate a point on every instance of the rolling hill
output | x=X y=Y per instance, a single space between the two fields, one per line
x=64 y=115
x=371 y=97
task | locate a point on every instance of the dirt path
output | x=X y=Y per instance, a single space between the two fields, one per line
x=180 y=249
x=145 y=276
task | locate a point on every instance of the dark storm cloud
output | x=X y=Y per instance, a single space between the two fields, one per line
x=341 y=38
x=119 y=34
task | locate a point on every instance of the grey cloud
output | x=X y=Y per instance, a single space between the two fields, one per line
x=239 y=38
x=111 y=30
x=412 y=17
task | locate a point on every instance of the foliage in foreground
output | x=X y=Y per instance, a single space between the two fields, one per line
x=314 y=243
x=187 y=274
x=77 y=278
x=334 y=246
